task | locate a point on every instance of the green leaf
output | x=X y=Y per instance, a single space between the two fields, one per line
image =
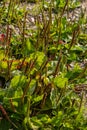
x=32 y=87
x=37 y=122
x=40 y=57
x=38 y=98
x=18 y=81
x=44 y=118
x=60 y=81
x=3 y=65
x=16 y=86
x=2 y=54
x=29 y=46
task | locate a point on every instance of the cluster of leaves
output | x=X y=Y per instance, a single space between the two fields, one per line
x=39 y=69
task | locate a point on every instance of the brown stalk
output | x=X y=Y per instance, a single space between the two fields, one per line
x=9 y=63
x=59 y=21
x=38 y=31
x=46 y=28
x=24 y=25
x=8 y=39
x=29 y=66
x=58 y=64
x=26 y=90
x=6 y=115
x=64 y=8
x=12 y=106
x=21 y=64
x=42 y=67
x=32 y=63
x=74 y=36
x=43 y=100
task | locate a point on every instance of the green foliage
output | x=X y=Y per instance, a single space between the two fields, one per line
x=60 y=81
x=41 y=66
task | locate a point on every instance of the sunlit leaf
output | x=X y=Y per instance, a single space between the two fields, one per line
x=40 y=57
x=18 y=81
x=37 y=122
x=60 y=81
x=38 y=98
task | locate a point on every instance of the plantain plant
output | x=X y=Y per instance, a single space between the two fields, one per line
x=43 y=69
